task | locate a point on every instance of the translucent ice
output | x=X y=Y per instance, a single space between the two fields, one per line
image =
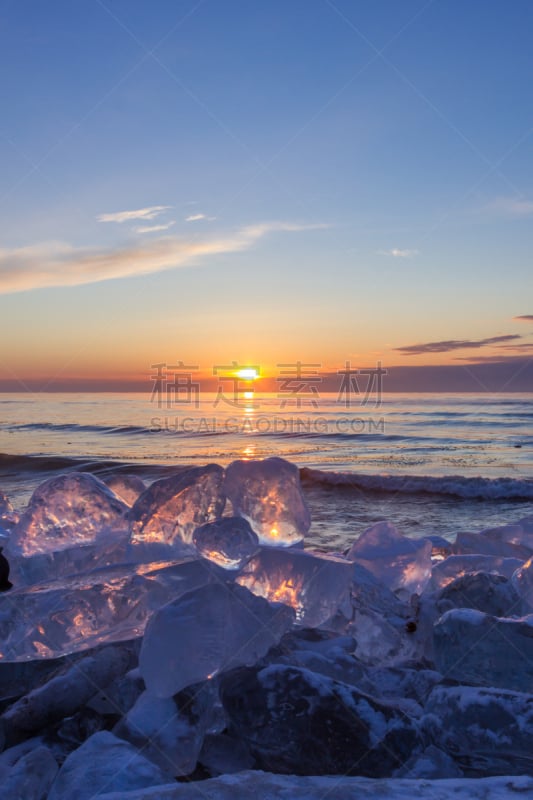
x=171 y=508
x=104 y=764
x=492 y=594
x=397 y=561
x=268 y=494
x=456 y=566
x=472 y=647
x=71 y=509
x=207 y=631
x=170 y=730
x=522 y=581
x=477 y=543
x=229 y=542
x=127 y=487
x=104 y=606
x=315 y=586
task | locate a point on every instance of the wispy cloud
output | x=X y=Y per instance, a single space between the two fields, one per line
x=511 y=206
x=198 y=218
x=127 y=216
x=525 y=317
x=155 y=228
x=60 y=264
x=397 y=253
x=453 y=344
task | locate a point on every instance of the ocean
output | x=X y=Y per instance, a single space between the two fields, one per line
x=431 y=464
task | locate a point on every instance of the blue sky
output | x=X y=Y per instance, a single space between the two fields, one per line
x=317 y=179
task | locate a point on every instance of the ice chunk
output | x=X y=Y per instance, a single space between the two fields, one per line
x=456 y=566
x=511 y=541
x=472 y=647
x=104 y=764
x=492 y=594
x=65 y=693
x=69 y=510
x=172 y=508
x=207 y=631
x=229 y=542
x=30 y=776
x=78 y=560
x=268 y=494
x=127 y=487
x=8 y=516
x=522 y=581
x=223 y=755
x=295 y=721
x=397 y=561
x=432 y=763
x=315 y=586
x=487 y=731
x=170 y=730
x=105 y=606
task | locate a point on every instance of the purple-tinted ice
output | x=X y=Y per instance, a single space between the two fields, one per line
x=229 y=542
x=127 y=487
x=397 y=561
x=210 y=630
x=108 y=605
x=315 y=586
x=73 y=509
x=268 y=495
x=171 y=509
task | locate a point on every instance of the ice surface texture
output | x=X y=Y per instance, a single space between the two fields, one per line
x=105 y=605
x=473 y=647
x=207 y=631
x=171 y=508
x=229 y=542
x=69 y=510
x=268 y=494
x=295 y=721
x=315 y=586
x=396 y=560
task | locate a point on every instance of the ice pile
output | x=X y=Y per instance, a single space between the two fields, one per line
x=182 y=631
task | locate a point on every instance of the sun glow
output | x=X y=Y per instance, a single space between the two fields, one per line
x=247 y=374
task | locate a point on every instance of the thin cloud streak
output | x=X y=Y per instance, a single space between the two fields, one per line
x=453 y=344
x=397 y=253
x=127 y=216
x=525 y=318
x=60 y=264
x=155 y=228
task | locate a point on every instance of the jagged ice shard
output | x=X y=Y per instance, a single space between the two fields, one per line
x=172 y=508
x=268 y=495
x=207 y=631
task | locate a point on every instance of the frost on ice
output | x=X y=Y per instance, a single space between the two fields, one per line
x=268 y=494
x=171 y=508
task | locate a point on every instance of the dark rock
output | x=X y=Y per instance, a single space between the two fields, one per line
x=296 y=721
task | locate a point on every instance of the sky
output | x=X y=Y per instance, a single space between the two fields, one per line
x=260 y=182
